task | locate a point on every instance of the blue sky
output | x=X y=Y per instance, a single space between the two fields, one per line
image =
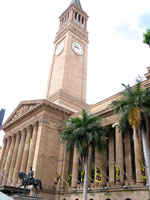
x=128 y=33
x=144 y=20
x=116 y=53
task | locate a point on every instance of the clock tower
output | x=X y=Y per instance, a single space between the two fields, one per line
x=68 y=73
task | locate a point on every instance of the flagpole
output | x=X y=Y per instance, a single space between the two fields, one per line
x=140 y=161
x=63 y=180
x=6 y=178
x=78 y=180
x=103 y=172
x=90 y=178
x=122 y=170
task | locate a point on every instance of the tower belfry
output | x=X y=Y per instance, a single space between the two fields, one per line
x=68 y=72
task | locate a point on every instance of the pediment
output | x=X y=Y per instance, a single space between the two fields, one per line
x=21 y=109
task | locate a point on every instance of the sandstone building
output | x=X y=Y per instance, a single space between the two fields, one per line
x=32 y=132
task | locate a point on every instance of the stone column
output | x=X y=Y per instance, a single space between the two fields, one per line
x=111 y=157
x=138 y=155
x=119 y=153
x=90 y=164
x=4 y=160
x=3 y=152
x=9 y=160
x=80 y=20
x=85 y=24
x=77 y=18
x=103 y=166
x=71 y=14
x=75 y=169
x=14 y=158
x=26 y=151
x=65 y=165
x=32 y=148
x=128 y=157
x=19 y=157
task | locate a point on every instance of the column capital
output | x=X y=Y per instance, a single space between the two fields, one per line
x=18 y=133
x=115 y=124
x=35 y=124
x=8 y=138
x=4 y=140
x=23 y=132
x=13 y=137
x=28 y=129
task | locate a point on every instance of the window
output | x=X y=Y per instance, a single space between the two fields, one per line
x=75 y=17
x=79 y=20
x=82 y=23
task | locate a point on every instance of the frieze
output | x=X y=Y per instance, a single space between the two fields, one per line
x=75 y=30
x=110 y=120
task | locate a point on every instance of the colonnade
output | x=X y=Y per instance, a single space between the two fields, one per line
x=17 y=154
x=76 y=17
x=122 y=155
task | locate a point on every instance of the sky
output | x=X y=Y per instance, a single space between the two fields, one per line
x=116 y=53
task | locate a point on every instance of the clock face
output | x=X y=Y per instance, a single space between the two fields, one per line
x=77 y=48
x=59 y=48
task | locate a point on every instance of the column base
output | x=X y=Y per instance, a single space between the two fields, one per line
x=70 y=188
x=140 y=183
x=97 y=185
x=80 y=186
x=130 y=182
x=110 y=184
x=119 y=184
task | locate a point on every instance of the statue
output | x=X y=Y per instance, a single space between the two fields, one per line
x=29 y=180
x=30 y=175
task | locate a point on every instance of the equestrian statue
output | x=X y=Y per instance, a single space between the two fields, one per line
x=29 y=180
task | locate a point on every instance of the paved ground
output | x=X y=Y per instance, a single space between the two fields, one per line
x=4 y=197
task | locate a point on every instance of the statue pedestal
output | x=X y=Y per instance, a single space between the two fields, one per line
x=16 y=197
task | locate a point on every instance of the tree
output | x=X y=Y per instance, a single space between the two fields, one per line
x=146 y=37
x=81 y=133
x=134 y=108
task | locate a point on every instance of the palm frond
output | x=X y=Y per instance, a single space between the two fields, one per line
x=132 y=102
x=81 y=132
x=124 y=123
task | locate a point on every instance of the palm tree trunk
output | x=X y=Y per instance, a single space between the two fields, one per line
x=146 y=157
x=85 y=187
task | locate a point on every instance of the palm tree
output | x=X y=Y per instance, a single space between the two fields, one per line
x=81 y=133
x=134 y=108
x=147 y=37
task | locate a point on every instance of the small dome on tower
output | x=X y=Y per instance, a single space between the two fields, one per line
x=77 y=2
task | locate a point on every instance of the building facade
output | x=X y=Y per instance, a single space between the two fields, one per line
x=32 y=132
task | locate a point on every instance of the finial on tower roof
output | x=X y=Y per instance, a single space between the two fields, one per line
x=77 y=2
